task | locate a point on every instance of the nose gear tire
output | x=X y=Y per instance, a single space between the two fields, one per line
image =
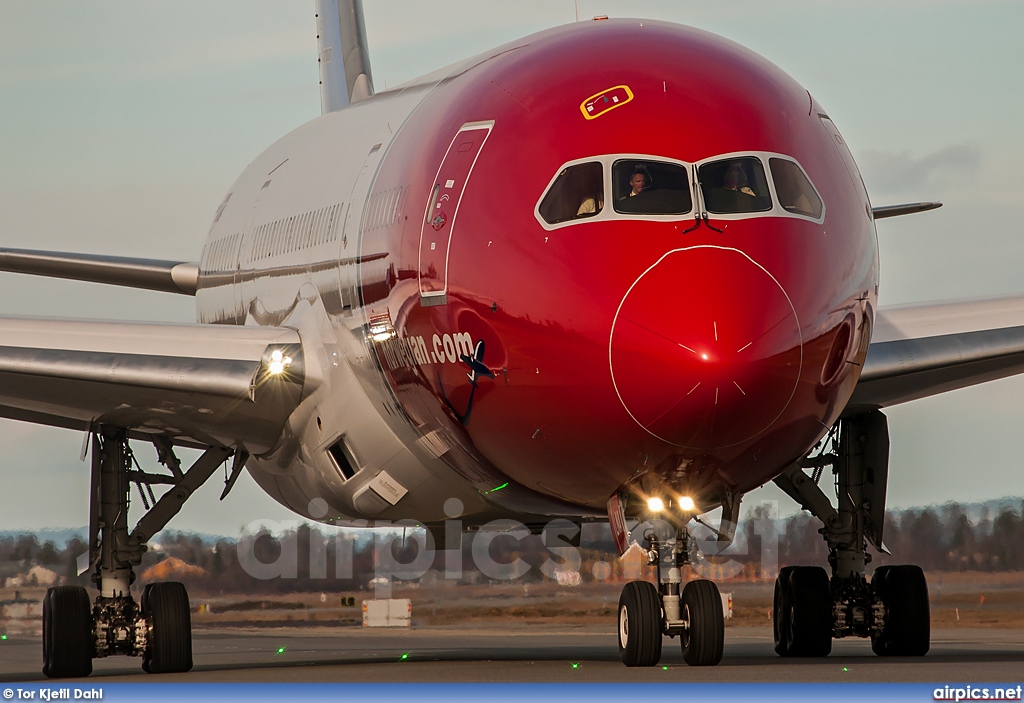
x=640 y=624
x=704 y=639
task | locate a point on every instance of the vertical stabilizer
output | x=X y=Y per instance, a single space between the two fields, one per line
x=345 y=75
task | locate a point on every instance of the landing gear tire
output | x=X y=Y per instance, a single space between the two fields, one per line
x=640 y=628
x=879 y=642
x=704 y=639
x=904 y=592
x=169 y=649
x=68 y=642
x=780 y=612
x=803 y=612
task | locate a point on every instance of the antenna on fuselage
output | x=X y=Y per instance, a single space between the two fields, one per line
x=344 y=58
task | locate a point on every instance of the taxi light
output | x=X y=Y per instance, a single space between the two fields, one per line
x=686 y=504
x=655 y=505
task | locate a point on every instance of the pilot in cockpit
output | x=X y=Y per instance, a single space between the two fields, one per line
x=638 y=182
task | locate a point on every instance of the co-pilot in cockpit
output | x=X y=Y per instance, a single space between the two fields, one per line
x=735 y=185
x=650 y=188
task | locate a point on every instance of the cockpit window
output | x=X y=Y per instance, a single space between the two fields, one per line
x=578 y=192
x=650 y=188
x=796 y=194
x=735 y=185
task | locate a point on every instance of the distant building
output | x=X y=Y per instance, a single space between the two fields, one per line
x=36 y=577
x=568 y=577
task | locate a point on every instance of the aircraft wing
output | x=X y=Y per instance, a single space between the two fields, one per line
x=922 y=350
x=213 y=385
x=149 y=274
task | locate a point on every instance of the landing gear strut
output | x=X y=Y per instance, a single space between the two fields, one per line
x=158 y=629
x=810 y=609
x=647 y=612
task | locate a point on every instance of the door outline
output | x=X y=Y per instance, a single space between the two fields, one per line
x=428 y=298
x=350 y=228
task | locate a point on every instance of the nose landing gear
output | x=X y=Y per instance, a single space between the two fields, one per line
x=647 y=612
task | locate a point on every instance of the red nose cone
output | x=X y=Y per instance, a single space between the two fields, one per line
x=705 y=348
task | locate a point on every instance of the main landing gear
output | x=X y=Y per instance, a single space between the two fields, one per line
x=76 y=630
x=810 y=609
x=647 y=612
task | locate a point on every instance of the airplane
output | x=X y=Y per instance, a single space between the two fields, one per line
x=489 y=277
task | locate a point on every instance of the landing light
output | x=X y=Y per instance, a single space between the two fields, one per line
x=655 y=505
x=278 y=362
x=686 y=504
x=704 y=357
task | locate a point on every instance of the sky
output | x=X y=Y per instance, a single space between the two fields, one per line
x=123 y=124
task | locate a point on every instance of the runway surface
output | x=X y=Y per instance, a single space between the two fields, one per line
x=527 y=653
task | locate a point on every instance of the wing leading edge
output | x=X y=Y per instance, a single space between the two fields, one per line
x=923 y=350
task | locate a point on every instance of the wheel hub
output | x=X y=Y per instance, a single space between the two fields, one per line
x=623 y=628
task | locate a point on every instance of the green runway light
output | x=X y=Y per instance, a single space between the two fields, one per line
x=845 y=669
x=280 y=650
x=403 y=657
x=575 y=665
x=664 y=668
x=3 y=638
x=498 y=488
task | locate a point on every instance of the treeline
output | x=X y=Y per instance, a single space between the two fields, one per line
x=938 y=539
x=309 y=560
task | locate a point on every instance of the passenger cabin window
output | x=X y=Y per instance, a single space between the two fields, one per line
x=651 y=188
x=577 y=193
x=796 y=194
x=735 y=185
